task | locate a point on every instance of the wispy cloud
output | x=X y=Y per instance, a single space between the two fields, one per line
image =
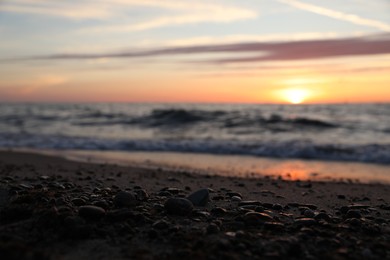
x=184 y=12
x=254 y=51
x=187 y=12
x=70 y=10
x=274 y=37
x=352 y=18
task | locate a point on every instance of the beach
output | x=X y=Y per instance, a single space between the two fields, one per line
x=53 y=208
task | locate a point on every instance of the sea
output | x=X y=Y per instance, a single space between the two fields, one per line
x=357 y=133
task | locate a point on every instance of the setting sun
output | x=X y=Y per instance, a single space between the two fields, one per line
x=295 y=96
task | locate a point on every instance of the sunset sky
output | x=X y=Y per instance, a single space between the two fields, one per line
x=249 y=51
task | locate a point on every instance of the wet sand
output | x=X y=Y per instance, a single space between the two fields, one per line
x=52 y=208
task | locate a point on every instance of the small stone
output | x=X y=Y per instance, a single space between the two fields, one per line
x=199 y=197
x=274 y=225
x=125 y=199
x=165 y=194
x=236 y=198
x=212 y=229
x=173 y=191
x=341 y=197
x=254 y=218
x=218 y=211
x=323 y=216
x=234 y=194
x=91 y=212
x=101 y=203
x=160 y=224
x=277 y=207
x=78 y=201
x=250 y=202
x=353 y=214
x=305 y=222
x=218 y=197
x=141 y=194
x=309 y=213
x=178 y=206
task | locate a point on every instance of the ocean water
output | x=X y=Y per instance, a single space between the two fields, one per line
x=350 y=132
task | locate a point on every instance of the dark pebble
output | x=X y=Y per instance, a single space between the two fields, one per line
x=353 y=214
x=236 y=198
x=218 y=211
x=212 y=229
x=255 y=218
x=232 y=194
x=277 y=207
x=305 y=222
x=101 y=203
x=218 y=197
x=78 y=202
x=199 y=197
x=160 y=224
x=141 y=194
x=165 y=194
x=323 y=216
x=274 y=225
x=125 y=199
x=178 y=206
x=91 y=212
x=309 y=213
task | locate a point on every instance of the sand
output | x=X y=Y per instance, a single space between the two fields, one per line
x=52 y=208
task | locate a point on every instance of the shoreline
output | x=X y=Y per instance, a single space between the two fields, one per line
x=55 y=208
x=230 y=165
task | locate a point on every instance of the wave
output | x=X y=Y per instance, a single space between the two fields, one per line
x=166 y=118
x=369 y=153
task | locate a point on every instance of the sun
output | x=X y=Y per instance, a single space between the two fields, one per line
x=295 y=96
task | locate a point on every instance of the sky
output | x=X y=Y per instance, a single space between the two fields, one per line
x=247 y=51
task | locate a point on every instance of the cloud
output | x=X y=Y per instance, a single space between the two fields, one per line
x=165 y=21
x=251 y=52
x=70 y=10
x=275 y=37
x=185 y=12
x=352 y=18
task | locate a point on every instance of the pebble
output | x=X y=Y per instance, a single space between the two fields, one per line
x=212 y=229
x=90 y=212
x=353 y=214
x=141 y=194
x=160 y=224
x=250 y=202
x=199 y=198
x=236 y=198
x=78 y=202
x=305 y=222
x=234 y=194
x=277 y=207
x=218 y=211
x=309 y=213
x=255 y=218
x=274 y=225
x=178 y=206
x=323 y=216
x=125 y=199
